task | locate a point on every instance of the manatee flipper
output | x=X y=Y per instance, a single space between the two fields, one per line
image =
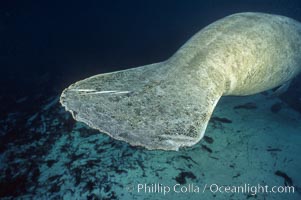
x=153 y=106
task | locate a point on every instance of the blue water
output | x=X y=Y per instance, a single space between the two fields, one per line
x=44 y=154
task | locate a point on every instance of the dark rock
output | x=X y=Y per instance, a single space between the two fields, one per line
x=204 y=147
x=73 y=156
x=13 y=187
x=50 y=162
x=248 y=106
x=90 y=185
x=208 y=139
x=220 y=119
x=188 y=158
x=181 y=178
x=54 y=188
x=215 y=158
x=69 y=124
x=112 y=196
x=53 y=178
x=107 y=188
x=78 y=176
x=91 y=163
x=274 y=149
x=237 y=175
x=287 y=180
x=93 y=197
x=276 y=107
x=35 y=175
x=120 y=171
x=87 y=132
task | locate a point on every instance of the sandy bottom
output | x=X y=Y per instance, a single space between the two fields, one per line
x=250 y=141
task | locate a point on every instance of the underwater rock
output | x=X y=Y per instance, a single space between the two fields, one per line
x=232 y=166
x=221 y=119
x=94 y=197
x=236 y=176
x=275 y=108
x=167 y=105
x=208 y=139
x=13 y=187
x=204 y=147
x=274 y=149
x=188 y=158
x=50 y=162
x=248 y=106
x=181 y=178
x=287 y=180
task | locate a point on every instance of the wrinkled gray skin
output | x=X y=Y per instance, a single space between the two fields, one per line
x=168 y=105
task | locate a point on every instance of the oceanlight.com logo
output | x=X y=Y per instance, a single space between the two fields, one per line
x=213 y=188
x=250 y=189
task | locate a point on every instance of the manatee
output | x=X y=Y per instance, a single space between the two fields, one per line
x=167 y=105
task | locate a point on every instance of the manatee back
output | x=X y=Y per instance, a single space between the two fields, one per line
x=254 y=51
x=268 y=53
x=259 y=51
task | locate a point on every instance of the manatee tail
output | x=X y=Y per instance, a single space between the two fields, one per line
x=157 y=106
